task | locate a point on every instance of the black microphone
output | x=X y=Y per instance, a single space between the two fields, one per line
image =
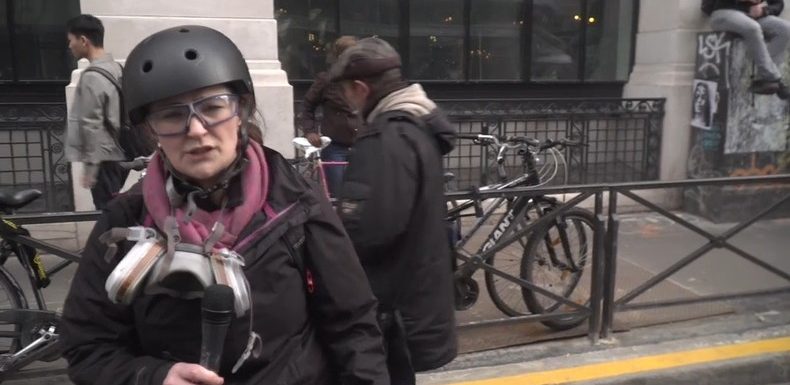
x=217 y=312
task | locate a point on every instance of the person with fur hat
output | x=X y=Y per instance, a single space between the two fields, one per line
x=392 y=205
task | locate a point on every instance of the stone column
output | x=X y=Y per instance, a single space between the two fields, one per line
x=249 y=23
x=664 y=67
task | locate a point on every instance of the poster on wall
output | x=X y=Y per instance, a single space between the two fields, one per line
x=704 y=102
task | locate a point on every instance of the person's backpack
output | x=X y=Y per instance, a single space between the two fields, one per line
x=708 y=6
x=130 y=142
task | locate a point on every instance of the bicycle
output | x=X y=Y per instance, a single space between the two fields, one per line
x=553 y=257
x=310 y=165
x=26 y=334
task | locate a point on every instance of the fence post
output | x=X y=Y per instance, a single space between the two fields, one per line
x=610 y=265
x=598 y=269
x=483 y=157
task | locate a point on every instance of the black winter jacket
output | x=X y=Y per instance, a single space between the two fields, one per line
x=329 y=336
x=393 y=207
x=774 y=7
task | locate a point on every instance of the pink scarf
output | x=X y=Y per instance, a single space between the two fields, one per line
x=255 y=183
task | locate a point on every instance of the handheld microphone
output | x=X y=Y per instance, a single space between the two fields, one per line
x=217 y=312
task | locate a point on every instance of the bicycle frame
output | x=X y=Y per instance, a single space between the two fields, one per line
x=497 y=239
x=21 y=244
x=38 y=323
x=322 y=173
x=517 y=209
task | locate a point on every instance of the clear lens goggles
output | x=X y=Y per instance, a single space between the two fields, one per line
x=211 y=111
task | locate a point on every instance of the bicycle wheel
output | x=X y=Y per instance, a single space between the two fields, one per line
x=506 y=294
x=555 y=259
x=11 y=298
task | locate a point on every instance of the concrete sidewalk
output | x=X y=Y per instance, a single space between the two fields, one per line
x=750 y=346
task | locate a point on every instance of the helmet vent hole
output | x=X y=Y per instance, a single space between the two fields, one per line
x=183 y=30
x=148 y=66
x=191 y=54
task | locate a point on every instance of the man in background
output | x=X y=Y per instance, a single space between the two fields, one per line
x=392 y=205
x=94 y=117
x=340 y=122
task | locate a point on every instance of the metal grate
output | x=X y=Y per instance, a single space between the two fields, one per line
x=32 y=155
x=623 y=136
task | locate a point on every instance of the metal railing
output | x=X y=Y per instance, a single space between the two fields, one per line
x=612 y=304
x=623 y=136
x=603 y=302
x=32 y=143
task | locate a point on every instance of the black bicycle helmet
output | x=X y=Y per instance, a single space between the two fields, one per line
x=178 y=60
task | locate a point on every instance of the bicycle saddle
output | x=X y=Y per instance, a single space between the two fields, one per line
x=308 y=149
x=18 y=199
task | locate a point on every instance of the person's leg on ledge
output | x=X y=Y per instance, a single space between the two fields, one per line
x=768 y=76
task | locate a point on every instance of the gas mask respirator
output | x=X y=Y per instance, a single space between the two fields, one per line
x=183 y=273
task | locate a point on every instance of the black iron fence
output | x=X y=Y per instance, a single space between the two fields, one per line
x=32 y=137
x=622 y=136
x=604 y=302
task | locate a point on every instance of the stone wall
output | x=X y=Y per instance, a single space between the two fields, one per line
x=665 y=66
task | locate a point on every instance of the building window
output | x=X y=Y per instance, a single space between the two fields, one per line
x=436 y=40
x=306 y=31
x=469 y=40
x=364 y=18
x=33 y=40
x=6 y=59
x=495 y=49
x=556 y=33
x=608 y=40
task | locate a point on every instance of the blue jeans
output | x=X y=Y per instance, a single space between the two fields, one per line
x=334 y=174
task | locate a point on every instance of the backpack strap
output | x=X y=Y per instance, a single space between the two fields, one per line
x=112 y=79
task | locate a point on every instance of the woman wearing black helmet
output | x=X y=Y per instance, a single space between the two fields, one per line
x=215 y=207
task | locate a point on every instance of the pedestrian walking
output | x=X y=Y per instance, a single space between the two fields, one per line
x=392 y=205
x=94 y=117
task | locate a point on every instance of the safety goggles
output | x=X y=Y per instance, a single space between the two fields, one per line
x=210 y=111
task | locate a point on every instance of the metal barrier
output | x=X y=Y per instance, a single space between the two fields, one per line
x=32 y=138
x=623 y=136
x=611 y=305
x=602 y=304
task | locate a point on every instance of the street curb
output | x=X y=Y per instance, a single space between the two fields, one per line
x=767 y=369
x=772 y=362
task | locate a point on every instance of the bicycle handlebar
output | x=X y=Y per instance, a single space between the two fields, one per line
x=137 y=164
x=504 y=143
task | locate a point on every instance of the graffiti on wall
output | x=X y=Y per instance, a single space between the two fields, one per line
x=712 y=52
x=733 y=131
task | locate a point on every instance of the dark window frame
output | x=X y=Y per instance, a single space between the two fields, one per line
x=16 y=65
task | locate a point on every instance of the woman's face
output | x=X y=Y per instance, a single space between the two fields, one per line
x=700 y=98
x=199 y=152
